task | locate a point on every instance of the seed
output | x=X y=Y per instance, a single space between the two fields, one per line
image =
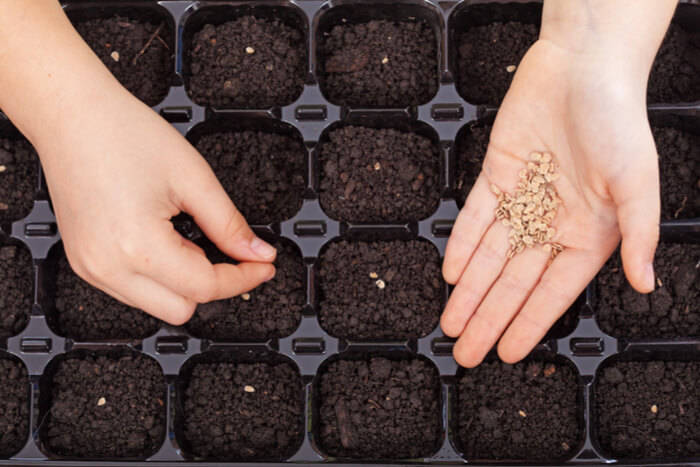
x=510 y=68
x=659 y=283
x=249 y=50
x=380 y=283
x=248 y=388
x=115 y=56
x=377 y=166
x=496 y=191
x=101 y=401
x=245 y=296
x=565 y=446
x=373 y=275
x=549 y=370
x=4 y=207
x=385 y=60
x=654 y=409
x=522 y=413
x=269 y=67
x=3 y=168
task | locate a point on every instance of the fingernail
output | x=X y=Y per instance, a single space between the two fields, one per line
x=271 y=275
x=649 y=276
x=262 y=248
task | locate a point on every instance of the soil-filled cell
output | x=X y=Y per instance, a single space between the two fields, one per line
x=675 y=75
x=470 y=151
x=262 y=172
x=243 y=411
x=85 y=313
x=679 y=166
x=379 y=63
x=139 y=53
x=378 y=175
x=104 y=406
x=648 y=409
x=272 y=310
x=380 y=290
x=19 y=165
x=529 y=411
x=247 y=63
x=14 y=406
x=379 y=409
x=16 y=288
x=672 y=310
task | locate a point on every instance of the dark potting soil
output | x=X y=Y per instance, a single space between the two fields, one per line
x=672 y=310
x=675 y=75
x=380 y=409
x=262 y=172
x=378 y=175
x=527 y=411
x=16 y=289
x=679 y=164
x=19 y=166
x=85 y=313
x=244 y=411
x=106 y=406
x=648 y=409
x=247 y=63
x=14 y=407
x=379 y=64
x=485 y=58
x=471 y=147
x=270 y=311
x=138 y=53
x=380 y=290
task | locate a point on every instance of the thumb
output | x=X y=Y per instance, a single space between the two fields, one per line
x=636 y=194
x=203 y=197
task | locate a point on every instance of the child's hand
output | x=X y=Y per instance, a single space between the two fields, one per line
x=587 y=108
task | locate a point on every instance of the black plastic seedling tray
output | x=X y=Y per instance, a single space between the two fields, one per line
x=310 y=348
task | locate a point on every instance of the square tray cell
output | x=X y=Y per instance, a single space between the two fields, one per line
x=679 y=166
x=238 y=406
x=19 y=179
x=136 y=43
x=378 y=55
x=245 y=56
x=531 y=411
x=260 y=162
x=14 y=405
x=102 y=404
x=378 y=407
x=270 y=311
x=487 y=43
x=675 y=75
x=647 y=409
x=16 y=288
x=670 y=311
x=379 y=174
x=380 y=290
x=85 y=313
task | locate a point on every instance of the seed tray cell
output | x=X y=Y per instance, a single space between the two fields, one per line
x=305 y=221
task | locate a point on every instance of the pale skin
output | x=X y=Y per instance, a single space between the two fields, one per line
x=117 y=173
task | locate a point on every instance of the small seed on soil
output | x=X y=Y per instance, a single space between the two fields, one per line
x=385 y=60
x=522 y=413
x=510 y=68
x=565 y=446
x=245 y=296
x=659 y=283
x=380 y=283
x=115 y=56
x=248 y=388
x=3 y=168
x=377 y=166
x=101 y=401
x=4 y=207
x=373 y=275
x=549 y=370
x=249 y=50
x=654 y=408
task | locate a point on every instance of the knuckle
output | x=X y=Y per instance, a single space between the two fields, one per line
x=235 y=224
x=181 y=313
x=490 y=253
x=207 y=290
x=513 y=285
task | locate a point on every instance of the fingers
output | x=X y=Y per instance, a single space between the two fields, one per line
x=471 y=224
x=636 y=194
x=558 y=288
x=483 y=269
x=203 y=197
x=502 y=302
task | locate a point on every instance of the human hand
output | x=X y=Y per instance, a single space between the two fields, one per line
x=588 y=109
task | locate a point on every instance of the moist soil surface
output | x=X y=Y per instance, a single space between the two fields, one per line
x=16 y=289
x=380 y=290
x=670 y=311
x=85 y=313
x=247 y=63
x=262 y=172
x=106 y=406
x=14 y=407
x=486 y=56
x=379 y=64
x=527 y=411
x=18 y=179
x=380 y=409
x=679 y=164
x=378 y=175
x=244 y=411
x=139 y=54
x=272 y=310
x=648 y=409
x=675 y=75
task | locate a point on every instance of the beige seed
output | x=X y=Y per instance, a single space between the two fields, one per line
x=4 y=207
x=115 y=56
x=385 y=60
x=377 y=166
x=380 y=283
x=510 y=68
x=522 y=413
x=373 y=275
x=654 y=408
x=249 y=50
x=245 y=296
x=496 y=191
x=659 y=283
x=248 y=388
x=101 y=401
x=3 y=168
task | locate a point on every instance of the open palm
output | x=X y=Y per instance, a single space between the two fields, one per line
x=578 y=109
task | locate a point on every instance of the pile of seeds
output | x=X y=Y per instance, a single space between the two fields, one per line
x=531 y=210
